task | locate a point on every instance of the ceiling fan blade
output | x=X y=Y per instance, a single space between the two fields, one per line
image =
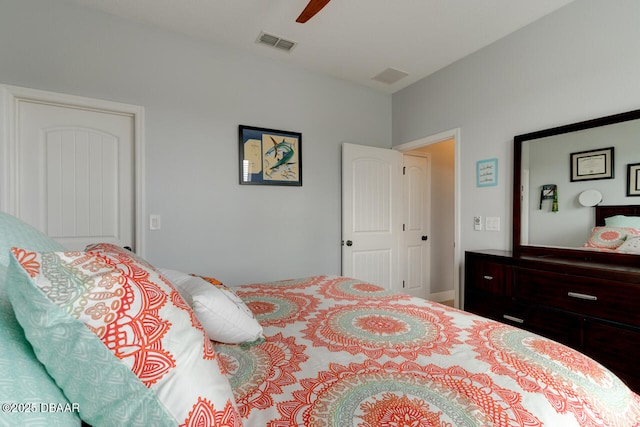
x=312 y=8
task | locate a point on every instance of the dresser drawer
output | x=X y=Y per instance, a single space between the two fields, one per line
x=486 y=281
x=612 y=300
x=616 y=348
x=485 y=289
x=490 y=277
x=554 y=324
x=485 y=305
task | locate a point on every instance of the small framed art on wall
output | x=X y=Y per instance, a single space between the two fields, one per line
x=270 y=156
x=633 y=179
x=487 y=173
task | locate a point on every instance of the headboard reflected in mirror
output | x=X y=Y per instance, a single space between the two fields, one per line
x=572 y=159
x=604 y=212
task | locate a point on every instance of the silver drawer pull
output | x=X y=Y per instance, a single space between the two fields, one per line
x=487 y=277
x=582 y=296
x=513 y=319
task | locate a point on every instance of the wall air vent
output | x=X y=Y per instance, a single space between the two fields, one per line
x=390 y=76
x=275 y=41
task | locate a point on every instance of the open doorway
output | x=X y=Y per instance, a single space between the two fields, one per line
x=443 y=150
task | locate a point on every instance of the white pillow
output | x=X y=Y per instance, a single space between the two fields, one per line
x=224 y=316
x=630 y=246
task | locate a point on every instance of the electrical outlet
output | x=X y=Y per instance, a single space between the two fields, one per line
x=477 y=223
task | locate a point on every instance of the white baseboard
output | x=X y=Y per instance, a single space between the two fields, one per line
x=442 y=296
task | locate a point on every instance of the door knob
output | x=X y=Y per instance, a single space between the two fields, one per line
x=349 y=243
x=424 y=238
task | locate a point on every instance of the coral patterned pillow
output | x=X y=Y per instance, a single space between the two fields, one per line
x=118 y=339
x=608 y=237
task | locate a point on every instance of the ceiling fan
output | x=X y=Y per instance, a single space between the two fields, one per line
x=312 y=8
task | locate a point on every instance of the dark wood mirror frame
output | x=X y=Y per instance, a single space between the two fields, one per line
x=545 y=251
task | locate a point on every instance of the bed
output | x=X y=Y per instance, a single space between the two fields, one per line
x=105 y=338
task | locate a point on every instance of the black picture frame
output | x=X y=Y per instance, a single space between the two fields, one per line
x=592 y=164
x=633 y=180
x=269 y=156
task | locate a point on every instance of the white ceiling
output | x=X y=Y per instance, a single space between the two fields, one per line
x=353 y=40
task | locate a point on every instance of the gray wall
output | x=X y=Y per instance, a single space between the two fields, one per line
x=578 y=63
x=195 y=96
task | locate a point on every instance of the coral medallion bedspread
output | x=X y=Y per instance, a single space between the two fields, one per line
x=342 y=352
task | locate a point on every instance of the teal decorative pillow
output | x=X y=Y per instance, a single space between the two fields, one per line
x=23 y=379
x=118 y=339
x=623 y=221
x=14 y=232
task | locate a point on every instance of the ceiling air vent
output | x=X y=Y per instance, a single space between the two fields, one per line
x=275 y=41
x=390 y=76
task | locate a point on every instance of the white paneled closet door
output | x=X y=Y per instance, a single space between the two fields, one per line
x=75 y=173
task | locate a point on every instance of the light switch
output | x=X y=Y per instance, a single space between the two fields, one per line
x=493 y=223
x=154 y=222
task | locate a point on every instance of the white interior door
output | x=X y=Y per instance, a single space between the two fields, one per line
x=75 y=173
x=371 y=209
x=415 y=243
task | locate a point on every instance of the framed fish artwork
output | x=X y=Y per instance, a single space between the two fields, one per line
x=270 y=157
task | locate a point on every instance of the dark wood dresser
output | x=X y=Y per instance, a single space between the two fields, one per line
x=592 y=307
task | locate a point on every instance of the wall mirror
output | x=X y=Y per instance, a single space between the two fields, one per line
x=559 y=170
